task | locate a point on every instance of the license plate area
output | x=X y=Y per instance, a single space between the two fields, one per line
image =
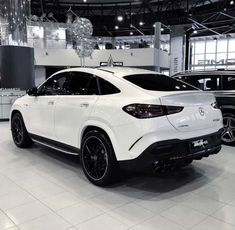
x=198 y=145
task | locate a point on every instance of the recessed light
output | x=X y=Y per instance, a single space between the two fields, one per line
x=131 y=33
x=231 y=2
x=120 y=18
x=141 y=23
x=195 y=31
x=84 y=0
x=116 y=27
x=162 y=29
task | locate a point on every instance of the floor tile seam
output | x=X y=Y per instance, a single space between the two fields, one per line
x=112 y=209
x=160 y=214
x=45 y=214
x=199 y=222
x=37 y=199
x=157 y=212
x=204 y=213
x=222 y=220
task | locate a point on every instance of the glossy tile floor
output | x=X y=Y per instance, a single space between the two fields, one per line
x=41 y=189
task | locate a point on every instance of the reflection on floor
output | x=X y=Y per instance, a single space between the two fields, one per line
x=41 y=189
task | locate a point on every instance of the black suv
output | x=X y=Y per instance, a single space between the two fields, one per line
x=222 y=84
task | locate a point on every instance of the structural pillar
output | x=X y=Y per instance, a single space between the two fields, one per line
x=16 y=60
x=17 y=67
x=157 y=43
x=177 y=49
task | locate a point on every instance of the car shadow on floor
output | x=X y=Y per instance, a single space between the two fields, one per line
x=186 y=180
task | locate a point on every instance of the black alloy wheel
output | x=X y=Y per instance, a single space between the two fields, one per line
x=98 y=159
x=228 y=134
x=19 y=133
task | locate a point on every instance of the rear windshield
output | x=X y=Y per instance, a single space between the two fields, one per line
x=157 y=82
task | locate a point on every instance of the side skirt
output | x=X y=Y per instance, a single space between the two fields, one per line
x=68 y=149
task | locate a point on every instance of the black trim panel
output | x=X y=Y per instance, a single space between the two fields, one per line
x=134 y=143
x=55 y=144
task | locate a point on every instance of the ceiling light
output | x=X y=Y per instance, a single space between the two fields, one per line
x=116 y=27
x=131 y=33
x=232 y=2
x=84 y=0
x=120 y=18
x=195 y=31
x=141 y=23
x=162 y=29
x=154 y=25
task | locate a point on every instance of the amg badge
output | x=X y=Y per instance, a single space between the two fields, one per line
x=199 y=143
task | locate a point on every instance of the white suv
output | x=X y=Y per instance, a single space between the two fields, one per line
x=118 y=118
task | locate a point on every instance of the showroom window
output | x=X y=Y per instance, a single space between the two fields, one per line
x=212 y=52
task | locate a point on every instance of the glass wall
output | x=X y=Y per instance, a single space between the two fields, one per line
x=212 y=52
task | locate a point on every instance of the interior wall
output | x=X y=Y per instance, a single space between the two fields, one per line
x=129 y=57
x=40 y=75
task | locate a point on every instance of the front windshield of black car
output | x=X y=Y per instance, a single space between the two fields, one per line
x=158 y=82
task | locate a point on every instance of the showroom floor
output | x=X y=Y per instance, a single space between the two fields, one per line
x=41 y=189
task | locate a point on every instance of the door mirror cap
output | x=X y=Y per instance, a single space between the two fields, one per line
x=33 y=91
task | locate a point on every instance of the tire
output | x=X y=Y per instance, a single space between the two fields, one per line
x=98 y=159
x=228 y=134
x=19 y=133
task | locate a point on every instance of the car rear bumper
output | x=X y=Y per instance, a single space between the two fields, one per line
x=174 y=150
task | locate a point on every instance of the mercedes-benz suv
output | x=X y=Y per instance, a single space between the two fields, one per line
x=118 y=118
x=222 y=85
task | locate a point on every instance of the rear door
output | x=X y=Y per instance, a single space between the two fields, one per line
x=72 y=110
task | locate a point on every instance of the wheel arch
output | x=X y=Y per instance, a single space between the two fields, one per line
x=14 y=111
x=228 y=109
x=103 y=128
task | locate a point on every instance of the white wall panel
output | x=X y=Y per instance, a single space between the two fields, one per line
x=129 y=57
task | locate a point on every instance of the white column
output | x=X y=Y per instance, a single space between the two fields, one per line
x=157 y=35
x=177 y=42
x=157 y=42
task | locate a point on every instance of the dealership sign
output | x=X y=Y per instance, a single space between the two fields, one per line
x=110 y=62
x=225 y=61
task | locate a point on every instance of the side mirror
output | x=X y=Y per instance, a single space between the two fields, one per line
x=33 y=91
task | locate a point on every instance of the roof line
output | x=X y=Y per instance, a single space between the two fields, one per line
x=105 y=70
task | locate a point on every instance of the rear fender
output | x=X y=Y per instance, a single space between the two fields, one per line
x=104 y=126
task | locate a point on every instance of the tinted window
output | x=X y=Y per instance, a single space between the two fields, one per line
x=203 y=82
x=107 y=88
x=229 y=82
x=56 y=85
x=157 y=82
x=82 y=84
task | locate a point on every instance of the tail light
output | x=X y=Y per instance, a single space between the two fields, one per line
x=143 y=111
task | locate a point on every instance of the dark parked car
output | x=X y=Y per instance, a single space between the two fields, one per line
x=222 y=84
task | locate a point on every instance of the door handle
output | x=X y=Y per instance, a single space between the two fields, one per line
x=84 y=105
x=51 y=102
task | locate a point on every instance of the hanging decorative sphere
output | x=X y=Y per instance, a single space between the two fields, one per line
x=81 y=30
